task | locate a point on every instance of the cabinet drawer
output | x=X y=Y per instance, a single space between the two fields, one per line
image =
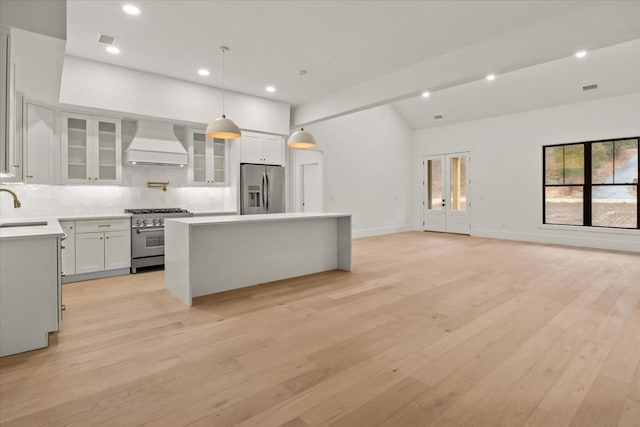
x=68 y=227
x=92 y=226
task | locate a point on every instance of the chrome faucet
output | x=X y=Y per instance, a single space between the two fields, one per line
x=16 y=202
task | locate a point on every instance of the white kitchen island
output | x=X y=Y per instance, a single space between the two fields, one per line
x=205 y=255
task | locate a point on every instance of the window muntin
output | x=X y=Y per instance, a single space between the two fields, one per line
x=592 y=184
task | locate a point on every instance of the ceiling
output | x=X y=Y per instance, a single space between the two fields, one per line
x=365 y=53
x=340 y=43
x=615 y=69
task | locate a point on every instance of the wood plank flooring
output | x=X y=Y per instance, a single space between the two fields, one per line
x=428 y=330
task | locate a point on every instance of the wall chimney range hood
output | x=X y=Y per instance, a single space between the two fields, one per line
x=155 y=144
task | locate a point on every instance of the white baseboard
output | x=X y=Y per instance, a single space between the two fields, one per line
x=380 y=231
x=616 y=243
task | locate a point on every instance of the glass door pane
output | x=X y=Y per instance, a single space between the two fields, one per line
x=106 y=150
x=458 y=183
x=77 y=151
x=199 y=158
x=219 y=160
x=435 y=197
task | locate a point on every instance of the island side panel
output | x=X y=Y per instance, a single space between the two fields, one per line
x=344 y=243
x=177 y=264
x=234 y=255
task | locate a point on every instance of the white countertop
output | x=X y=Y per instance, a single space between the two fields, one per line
x=52 y=228
x=211 y=212
x=93 y=216
x=204 y=220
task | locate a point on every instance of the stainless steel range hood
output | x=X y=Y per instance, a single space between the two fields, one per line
x=155 y=144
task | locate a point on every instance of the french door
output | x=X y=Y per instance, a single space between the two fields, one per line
x=446 y=193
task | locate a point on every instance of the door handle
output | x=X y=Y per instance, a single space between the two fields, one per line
x=263 y=190
x=268 y=190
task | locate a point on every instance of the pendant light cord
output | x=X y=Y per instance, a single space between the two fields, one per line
x=223 y=87
x=302 y=73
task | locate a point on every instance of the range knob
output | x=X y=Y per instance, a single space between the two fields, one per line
x=161 y=221
x=137 y=222
x=155 y=221
x=144 y=222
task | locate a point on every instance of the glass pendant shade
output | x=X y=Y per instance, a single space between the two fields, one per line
x=301 y=139
x=223 y=128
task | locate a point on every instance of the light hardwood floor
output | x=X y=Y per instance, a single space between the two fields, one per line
x=428 y=329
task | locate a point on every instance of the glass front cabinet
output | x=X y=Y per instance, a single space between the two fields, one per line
x=208 y=159
x=91 y=149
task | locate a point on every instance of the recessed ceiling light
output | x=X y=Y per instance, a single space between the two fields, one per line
x=270 y=89
x=131 y=9
x=203 y=72
x=491 y=77
x=581 y=54
x=113 y=50
x=426 y=94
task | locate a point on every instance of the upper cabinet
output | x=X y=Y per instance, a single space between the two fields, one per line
x=261 y=148
x=10 y=146
x=39 y=144
x=91 y=150
x=208 y=159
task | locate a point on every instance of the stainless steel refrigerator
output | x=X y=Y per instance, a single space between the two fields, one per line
x=261 y=189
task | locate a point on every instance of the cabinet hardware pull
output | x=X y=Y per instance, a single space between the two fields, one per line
x=104 y=225
x=63 y=247
x=29 y=176
x=63 y=274
x=101 y=238
x=107 y=237
x=63 y=307
x=16 y=166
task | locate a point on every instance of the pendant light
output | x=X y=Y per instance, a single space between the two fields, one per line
x=222 y=127
x=301 y=138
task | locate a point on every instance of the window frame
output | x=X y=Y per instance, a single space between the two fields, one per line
x=587 y=185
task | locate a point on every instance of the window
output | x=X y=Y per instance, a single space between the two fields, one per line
x=592 y=184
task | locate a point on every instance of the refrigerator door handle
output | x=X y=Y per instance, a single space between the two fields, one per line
x=263 y=190
x=268 y=190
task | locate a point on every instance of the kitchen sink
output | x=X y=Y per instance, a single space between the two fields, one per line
x=23 y=224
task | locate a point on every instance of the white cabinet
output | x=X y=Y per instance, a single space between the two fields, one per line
x=10 y=147
x=261 y=149
x=39 y=144
x=91 y=149
x=208 y=158
x=68 y=248
x=102 y=245
x=89 y=252
x=117 y=250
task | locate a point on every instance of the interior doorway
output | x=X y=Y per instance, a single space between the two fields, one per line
x=307 y=191
x=446 y=193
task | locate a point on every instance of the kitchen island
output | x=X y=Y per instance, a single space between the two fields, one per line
x=206 y=255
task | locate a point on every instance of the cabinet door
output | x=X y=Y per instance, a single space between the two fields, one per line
x=39 y=144
x=198 y=153
x=117 y=249
x=89 y=252
x=251 y=148
x=272 y=150
x=106 y=164
x=76 y=148
x=68 y=248
x=219 y=161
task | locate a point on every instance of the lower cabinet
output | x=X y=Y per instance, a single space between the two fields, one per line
x=100 y=246
x=68 y=248
x=89 y=252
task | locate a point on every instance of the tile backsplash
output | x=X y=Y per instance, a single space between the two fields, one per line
x=66 y=200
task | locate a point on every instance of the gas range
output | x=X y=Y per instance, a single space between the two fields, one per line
x=147 y=235
x=143 y=218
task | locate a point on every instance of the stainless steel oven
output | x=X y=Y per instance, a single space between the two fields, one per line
x=147 y=235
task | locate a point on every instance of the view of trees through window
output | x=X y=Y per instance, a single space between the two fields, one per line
x=592 y=184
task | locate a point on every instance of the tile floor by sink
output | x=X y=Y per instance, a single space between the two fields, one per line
x=428 y=329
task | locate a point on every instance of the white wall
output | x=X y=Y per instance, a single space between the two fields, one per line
x=93 y=84
x=506 y=168
x=367 y=159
